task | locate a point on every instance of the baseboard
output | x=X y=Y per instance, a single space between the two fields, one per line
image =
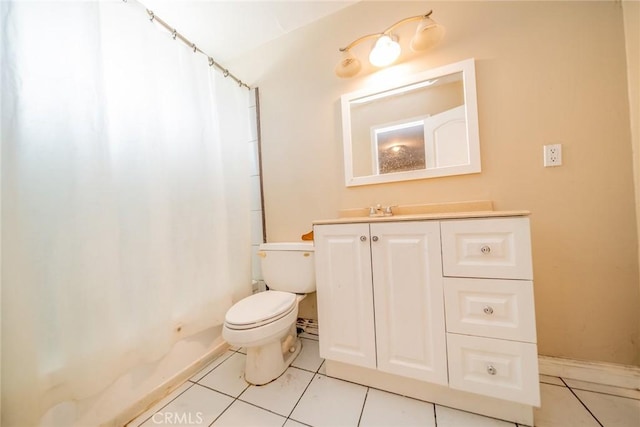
x=595 y=372
x=166 y=387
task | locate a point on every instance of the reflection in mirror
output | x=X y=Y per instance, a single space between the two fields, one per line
x=424 y=127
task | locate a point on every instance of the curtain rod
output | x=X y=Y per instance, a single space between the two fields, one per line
x=176 y=35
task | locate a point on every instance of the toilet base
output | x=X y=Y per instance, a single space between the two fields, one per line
x=267 y=362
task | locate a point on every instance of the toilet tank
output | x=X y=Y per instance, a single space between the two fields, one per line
x=288 y=267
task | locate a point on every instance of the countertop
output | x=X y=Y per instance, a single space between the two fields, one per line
x=422 y=216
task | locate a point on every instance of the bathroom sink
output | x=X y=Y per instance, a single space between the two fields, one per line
x=422 y=209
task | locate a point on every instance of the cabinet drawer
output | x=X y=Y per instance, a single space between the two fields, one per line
x=498 y=368
x=494 y=248
x=493 y=308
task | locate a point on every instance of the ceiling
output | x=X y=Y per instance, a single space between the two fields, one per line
x=228 y=29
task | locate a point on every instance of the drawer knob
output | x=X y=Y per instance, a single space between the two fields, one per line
x=363 y=238
x=374 y=238
x=488 y=310
x=491 y=370
x=485 y=249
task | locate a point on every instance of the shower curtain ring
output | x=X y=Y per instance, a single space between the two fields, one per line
x=210 y=61
x=226 y=73
x=174 y=33
x=152 y=16
x=195 y=49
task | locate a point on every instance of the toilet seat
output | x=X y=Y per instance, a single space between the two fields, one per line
x=260 y=309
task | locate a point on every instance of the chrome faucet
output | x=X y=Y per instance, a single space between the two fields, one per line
x=378 y=210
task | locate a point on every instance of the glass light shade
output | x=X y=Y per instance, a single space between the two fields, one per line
x=348 y=66
x=385 y=51
x=428 y=34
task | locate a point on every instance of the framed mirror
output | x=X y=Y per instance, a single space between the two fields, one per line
x=425 y=126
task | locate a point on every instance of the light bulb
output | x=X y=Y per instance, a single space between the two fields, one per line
x=385 y=51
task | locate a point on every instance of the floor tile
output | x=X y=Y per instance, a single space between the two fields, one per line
x=279 y=396
x=309 y=357
x=218 y=360
x=601 y=388
x=323 y=368
x=309 y=336
x=548 y=379
x=242 y=415
x=293 y=423
x=228 y=377
x=159 y=405
x=611 y=411
x=560 y=408
x=198 y=406
x=330 y=402
x=387 y=409
x=448 y=417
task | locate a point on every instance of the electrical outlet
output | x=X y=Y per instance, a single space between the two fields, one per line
x=552 y=155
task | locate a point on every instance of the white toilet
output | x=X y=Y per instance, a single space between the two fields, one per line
x=265 y=323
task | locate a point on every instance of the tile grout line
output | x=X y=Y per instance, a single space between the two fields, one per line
x=234 y=398
x=302 y=394
x=363 y=405
x=193 y=383
x=225 y=410
x=305 y=389
x=581 y=402
x=164 y=406
x=603 y=393
x=435 y=415
x=208 y=372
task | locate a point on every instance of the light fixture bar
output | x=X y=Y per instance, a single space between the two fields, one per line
x=386 y=49
x=397 y=24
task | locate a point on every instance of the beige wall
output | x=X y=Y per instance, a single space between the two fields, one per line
x=631 y=9
x=546 y=73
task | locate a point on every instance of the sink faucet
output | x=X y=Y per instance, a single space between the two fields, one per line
x=378 y=210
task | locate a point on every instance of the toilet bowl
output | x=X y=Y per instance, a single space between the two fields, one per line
x=265 y=323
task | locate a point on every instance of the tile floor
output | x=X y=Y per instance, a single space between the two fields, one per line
x=305 y=396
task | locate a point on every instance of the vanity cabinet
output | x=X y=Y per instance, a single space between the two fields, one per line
x=488 y=295
x=444 y=301
x=380 y=297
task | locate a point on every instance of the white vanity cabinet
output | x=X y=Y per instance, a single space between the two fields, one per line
x=345 y=304
x=488 y=290
x=445 y=302
x=380 y=297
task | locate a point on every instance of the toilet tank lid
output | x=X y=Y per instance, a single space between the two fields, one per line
x=287 y=246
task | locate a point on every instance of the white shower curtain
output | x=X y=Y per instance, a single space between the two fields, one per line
x=125 y=198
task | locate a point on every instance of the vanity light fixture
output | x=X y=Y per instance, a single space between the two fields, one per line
x=387 y=49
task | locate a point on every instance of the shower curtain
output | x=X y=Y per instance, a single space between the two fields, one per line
x=125 y=198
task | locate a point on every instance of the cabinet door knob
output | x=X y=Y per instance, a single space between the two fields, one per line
x=485 y=249
x=491 y=370
x=363 y=238
x=488 y=310
x=374 y=238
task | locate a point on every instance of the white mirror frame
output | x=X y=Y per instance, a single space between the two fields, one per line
x=467 y=67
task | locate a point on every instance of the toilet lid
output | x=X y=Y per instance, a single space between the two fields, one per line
x=260 y=308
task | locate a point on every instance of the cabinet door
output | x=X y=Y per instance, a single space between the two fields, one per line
x=345 y=294
x=407 y=278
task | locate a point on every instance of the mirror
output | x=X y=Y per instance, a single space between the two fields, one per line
x=423 y=127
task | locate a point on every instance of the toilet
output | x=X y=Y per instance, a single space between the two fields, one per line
x=265 y=323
